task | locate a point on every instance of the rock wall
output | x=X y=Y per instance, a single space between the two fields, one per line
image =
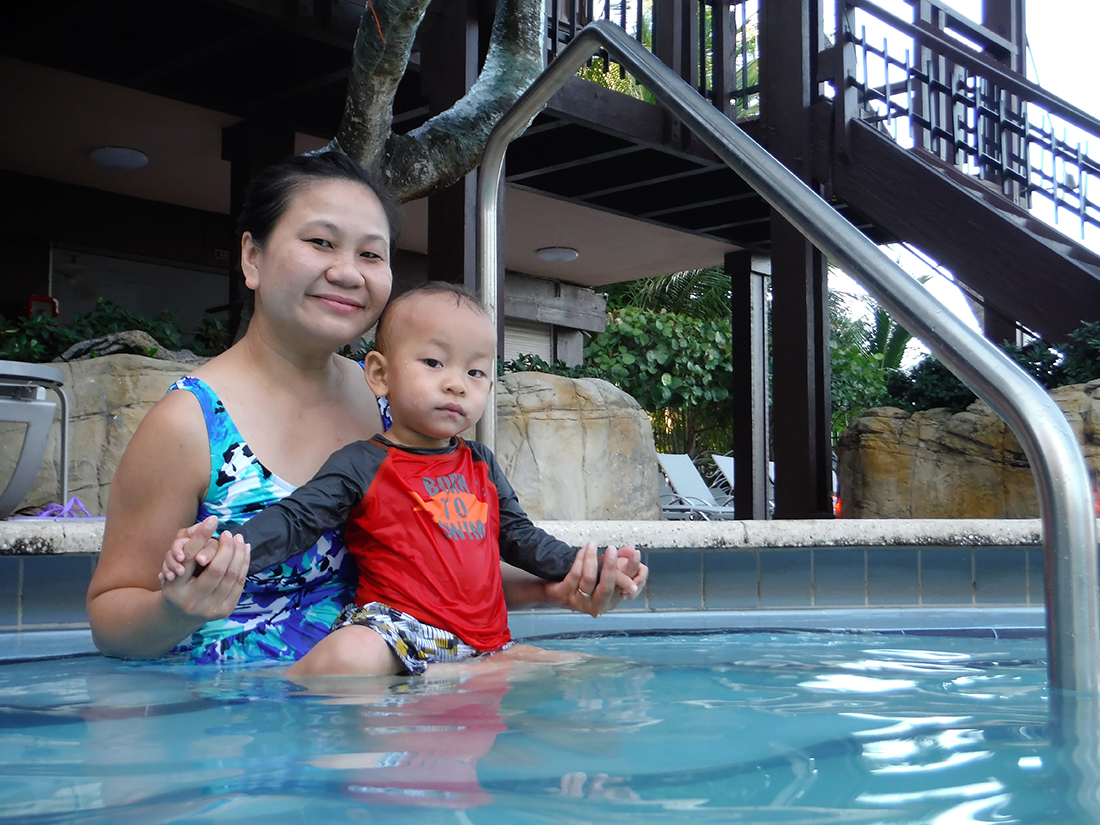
x=934 y=464
x=572 y=449
x=572 y=446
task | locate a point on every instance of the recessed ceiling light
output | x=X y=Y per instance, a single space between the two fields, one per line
x=118 y=157
x=557 y=254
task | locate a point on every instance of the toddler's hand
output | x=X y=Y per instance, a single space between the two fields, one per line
x=192 y=544
x=630 y=573
x=213 y=591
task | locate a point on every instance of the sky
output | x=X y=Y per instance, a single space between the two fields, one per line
x=1062 y=38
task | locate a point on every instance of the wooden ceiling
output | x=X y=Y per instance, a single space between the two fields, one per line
x=286 y=62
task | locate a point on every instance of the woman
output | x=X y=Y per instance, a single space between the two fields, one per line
x=255 y=422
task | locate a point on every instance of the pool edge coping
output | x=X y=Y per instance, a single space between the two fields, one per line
x=38 y=537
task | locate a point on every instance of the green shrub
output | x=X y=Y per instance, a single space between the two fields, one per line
x=930 y=384
x=526 y=362
x=857 y=382
x=925 y=386
x=41 y=339
x=678 y=368
x=1082 y=353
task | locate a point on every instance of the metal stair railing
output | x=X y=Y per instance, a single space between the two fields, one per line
x=1069 y=524
x=958 y=103
x=718 y=50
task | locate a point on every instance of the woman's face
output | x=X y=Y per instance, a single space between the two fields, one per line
x=324 y=272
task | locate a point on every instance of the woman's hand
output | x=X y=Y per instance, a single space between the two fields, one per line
x=214 y=591
x=623 y=576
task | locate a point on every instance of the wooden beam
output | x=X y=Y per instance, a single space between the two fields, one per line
x=449 y=63
x=801 y=408
x=562 y=146
x=198 y=54
x=620 y=172
x=590 y=104
x=92 y=219
x=677 y=192
x=546 y=167
x=750 y=386
x=270 y=103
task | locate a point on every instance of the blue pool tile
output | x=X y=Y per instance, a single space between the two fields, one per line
x=730 y=579
x=54 y=589
x=1000 y=575
x=839 y=576
x=785 y=578
x=675 y=579
x=946 y=575
x=9 y=590
x=1035 y=576
x=893 y=576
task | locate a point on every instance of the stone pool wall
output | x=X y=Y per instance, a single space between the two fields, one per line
x=700 y=569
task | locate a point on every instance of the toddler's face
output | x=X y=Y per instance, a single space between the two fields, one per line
x=438 y=371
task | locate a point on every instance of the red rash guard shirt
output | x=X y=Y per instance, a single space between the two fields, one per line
x=426 y=527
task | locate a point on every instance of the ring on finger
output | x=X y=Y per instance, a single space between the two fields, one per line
x=586 y=595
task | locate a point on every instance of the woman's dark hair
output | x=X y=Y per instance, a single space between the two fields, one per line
x=269 y=195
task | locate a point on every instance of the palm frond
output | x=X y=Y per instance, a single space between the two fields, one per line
x=696 y=293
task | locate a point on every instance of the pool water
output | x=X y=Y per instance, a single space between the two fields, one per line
x=710 y=728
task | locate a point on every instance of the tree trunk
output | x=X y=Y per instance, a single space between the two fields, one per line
x=451 y=144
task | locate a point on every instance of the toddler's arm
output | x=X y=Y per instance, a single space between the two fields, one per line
x=294 y=523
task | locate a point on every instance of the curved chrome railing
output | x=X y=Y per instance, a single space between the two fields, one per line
x=1069 y=523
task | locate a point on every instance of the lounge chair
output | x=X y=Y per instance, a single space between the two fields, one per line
x=725 y=467
x=22 y=400
x=689 y=497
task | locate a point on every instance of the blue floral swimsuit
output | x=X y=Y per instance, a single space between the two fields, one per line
x=286 y=609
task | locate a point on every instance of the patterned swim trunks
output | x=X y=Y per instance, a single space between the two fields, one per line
x=416 y=644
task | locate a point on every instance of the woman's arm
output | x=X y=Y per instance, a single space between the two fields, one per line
x=161 y=478
x=586 y=588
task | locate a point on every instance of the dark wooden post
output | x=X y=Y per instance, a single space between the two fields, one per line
x=1007 y=18
x=846 y=103
x=449 y=66
x=750 y=386
x=25 y=261
x=250 y=148
x=996 y=326
x=790 y=32
x=676 y=44
x=723 y=66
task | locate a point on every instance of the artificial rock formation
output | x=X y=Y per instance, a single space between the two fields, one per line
x=935 y=464
x=576 y=448
x=573 y=449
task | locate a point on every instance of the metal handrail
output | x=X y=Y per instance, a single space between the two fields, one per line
x=1069 y=523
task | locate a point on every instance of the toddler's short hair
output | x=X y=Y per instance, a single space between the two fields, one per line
x=382 y=335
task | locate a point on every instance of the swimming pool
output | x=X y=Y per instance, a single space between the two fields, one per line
x=769 y=727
